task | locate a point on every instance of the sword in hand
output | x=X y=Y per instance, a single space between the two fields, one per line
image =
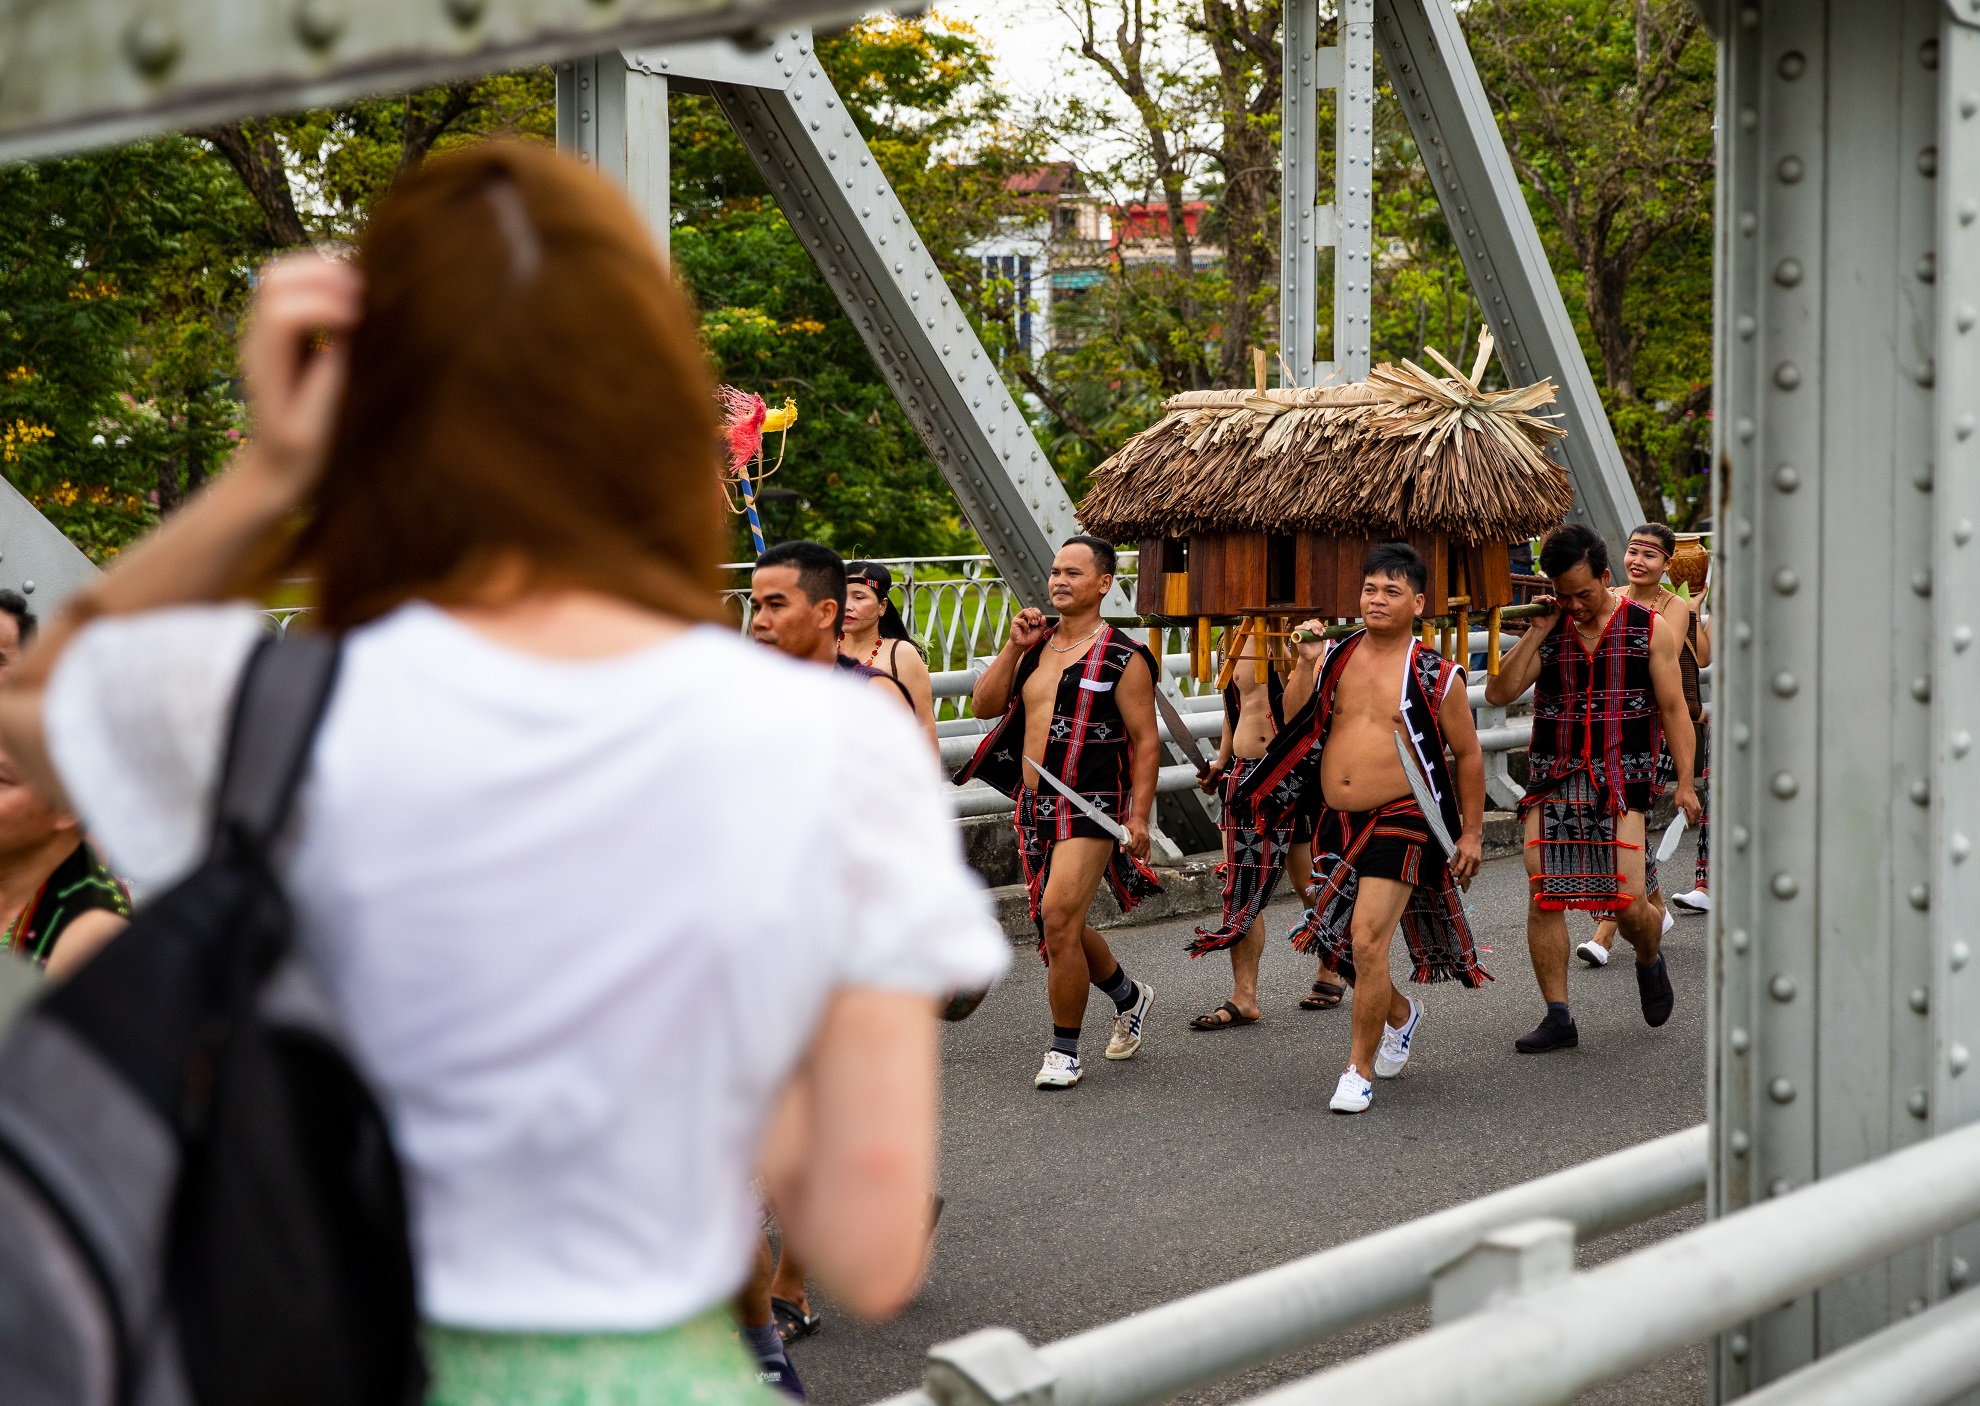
x=1092 y=812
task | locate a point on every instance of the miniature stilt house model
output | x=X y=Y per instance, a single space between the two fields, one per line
x=1248 y=505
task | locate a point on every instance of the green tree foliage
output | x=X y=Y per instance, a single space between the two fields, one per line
x=919 y=92
x=122 y=276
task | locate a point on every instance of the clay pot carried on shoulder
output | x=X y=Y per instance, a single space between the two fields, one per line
x=1688 y=564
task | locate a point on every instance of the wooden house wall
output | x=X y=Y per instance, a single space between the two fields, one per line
x=1228 y=573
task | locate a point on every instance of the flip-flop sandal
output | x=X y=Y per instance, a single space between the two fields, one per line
x=793 y=1323
x=1236 y=1017
x=1326 y=995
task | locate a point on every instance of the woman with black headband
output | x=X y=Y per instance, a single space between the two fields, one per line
x=877 y=637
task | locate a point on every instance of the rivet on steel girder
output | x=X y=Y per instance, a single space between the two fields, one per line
x=1786 y=581
x=1964 y=317
x=1744 y=428
x=1968 y=212
x=27 y=588
x=1780 y=1089
x=1957 y=1273
x=1792 y=65
x=1962 y=742
x=1958 y=955
x=1748 y=222
x=1790 y=170
x=319 y=23
x=1963 y=532
x=1740 y=1142
x=1736 y=1343
x=1917 y=1104
x=152 y=45
x=1741 y=940
x=1781 y=1186
x=1785 y=786
x=1787 y=272
x=1921 y=477
x=1957 y=1058
x=1920 y=896
x=1743 y=633
x=1781 y=988
x=1962 y=638
x=1928 y=161
x=1741 y=1041
x=1787 y=375
x=1921 y=791
x=466 y=12
x=1920 y=1000
x=1746 y=325
x=1921 y=688
x=1963 y=427
x=1748 y=119
x=1784 y=886
x=1787 y=478
x=1928 y=267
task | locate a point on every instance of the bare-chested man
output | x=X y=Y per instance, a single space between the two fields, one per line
x=1254 y=854
x=1376 y=860
x=1608 y=699
x=1078 y=696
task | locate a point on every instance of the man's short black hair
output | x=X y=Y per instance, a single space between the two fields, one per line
x=821 y=572
x=1396 y=559
x=1659 y=533
x=1571 y=544
x=15 y=604
x=1103 y=551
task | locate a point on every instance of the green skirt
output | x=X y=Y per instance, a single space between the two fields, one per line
x=697 y=1363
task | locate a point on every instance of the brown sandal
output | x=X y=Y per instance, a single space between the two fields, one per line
x=1326 y=995
x=1232 y=1016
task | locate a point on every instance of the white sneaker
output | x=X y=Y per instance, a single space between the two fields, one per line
x=1353 y=1094
x=1669 y=923
x=1127 y=1024
x=1697 y=901
x=1393 y=1053
x=1059 y=1071
x=1593 y=953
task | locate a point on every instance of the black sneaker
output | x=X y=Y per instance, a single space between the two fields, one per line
x=1550 y=1034
x=1653 y=989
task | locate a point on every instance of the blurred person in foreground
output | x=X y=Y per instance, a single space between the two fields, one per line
x=58 y=903
x=491 y=443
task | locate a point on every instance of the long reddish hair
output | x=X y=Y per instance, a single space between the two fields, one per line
x=525 y=386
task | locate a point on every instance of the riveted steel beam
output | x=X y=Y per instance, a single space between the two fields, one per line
x=1345 y=222
x=1826 y=691
x=77 y=73
x=1431 y=71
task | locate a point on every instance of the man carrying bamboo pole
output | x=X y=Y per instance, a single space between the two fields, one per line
x=1383 y=713
x=1076 y=748
x=1607 y=699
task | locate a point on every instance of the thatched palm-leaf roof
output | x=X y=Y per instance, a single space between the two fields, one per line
x=1400 y=452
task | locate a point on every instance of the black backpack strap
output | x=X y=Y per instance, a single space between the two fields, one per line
x=283 y=693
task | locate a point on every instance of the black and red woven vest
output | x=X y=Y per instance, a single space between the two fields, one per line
x=1597 y=710
x=1088 y=746
x=1286 y=782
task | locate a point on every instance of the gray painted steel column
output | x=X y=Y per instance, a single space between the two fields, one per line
x=1955 y=450
x=1354 y=189
x=1431 y=70
x=1823 y=793
x=1305 y=225
x=613 y=113
x=35 y=558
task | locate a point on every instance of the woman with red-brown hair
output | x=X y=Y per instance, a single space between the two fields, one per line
x=526 y=859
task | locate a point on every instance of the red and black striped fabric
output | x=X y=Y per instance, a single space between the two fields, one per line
x=1254 y=857
x=1039 y=817
x=1391 y=842
x=1595 y=712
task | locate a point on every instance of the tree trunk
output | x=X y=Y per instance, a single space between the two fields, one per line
x=257 y=159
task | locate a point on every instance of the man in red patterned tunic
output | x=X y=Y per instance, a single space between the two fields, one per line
x=1608 y=698
x=1078 y=697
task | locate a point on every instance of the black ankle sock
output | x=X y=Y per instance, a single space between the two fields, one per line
x=1557 y=1012
x=1118 y=989
x=1065 y=1039
x=766 y=1342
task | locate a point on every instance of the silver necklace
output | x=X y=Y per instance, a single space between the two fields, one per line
x=1081 y=640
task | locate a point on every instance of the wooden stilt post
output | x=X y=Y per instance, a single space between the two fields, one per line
x=1463 y=655
x=1492 y=643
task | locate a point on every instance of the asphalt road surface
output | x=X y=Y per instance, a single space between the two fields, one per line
x=1212 y=1155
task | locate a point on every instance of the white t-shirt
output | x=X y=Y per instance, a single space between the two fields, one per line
x=579 y=918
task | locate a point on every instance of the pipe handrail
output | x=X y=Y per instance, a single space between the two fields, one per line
x=1191 y=1341
x=1537 y=1349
